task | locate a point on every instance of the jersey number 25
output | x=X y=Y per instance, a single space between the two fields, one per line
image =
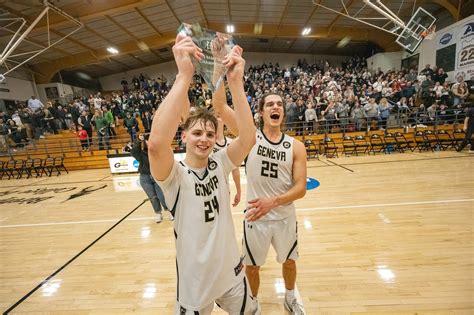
x=269 y=169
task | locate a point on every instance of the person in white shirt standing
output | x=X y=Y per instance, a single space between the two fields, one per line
x=208 y=262
x=35 y=104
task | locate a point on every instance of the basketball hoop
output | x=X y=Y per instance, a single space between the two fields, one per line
x=429 y=34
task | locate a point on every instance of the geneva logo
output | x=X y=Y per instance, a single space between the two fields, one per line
x=446 y=38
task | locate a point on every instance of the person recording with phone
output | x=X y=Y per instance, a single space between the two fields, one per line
x=152 y=189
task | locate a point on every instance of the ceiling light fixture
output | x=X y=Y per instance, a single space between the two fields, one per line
x=230 y=28
x=257 y=29
x=112 y=50
x=306 y=31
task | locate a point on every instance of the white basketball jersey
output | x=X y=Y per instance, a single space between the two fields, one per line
x=218 y=147
x=269 y=170
x=208 y=260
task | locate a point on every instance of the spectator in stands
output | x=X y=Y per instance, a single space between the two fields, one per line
x=330 y=116
x=460 y=91
x=131 y=124
x=384 y=109
x=124 y=84
x=426 y=95
x=146 y=121
x=343 y=110
x=109 y=117
x=300 y=116
x=440 y=76
x=358 y=116
x=83 y=138
x=152 y=189
x=25 y=116
x=34 y=104
x=311 y=118
x=102 y=128
x=468 y=128
x=371 y=112
x=48 y=122
x=3 y=136
x=427 y=71
x=85 y=122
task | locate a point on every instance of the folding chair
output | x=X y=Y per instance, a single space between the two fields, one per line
x=390 y=143
x=9 y=168
x=58 y=164
x=361 y=144
x=348 y=146
x=19 y=168
x=2 y=168
x=330 y=147
x=458 y=137
x=421 y=142
x=311 y=149
x=48 y=166
x=37 y=167
x=376 y=144
x=444 y=139
x=28 y=167
x=431 y=137
x=403 y=143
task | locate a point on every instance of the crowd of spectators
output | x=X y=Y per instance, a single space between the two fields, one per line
x=318 y=98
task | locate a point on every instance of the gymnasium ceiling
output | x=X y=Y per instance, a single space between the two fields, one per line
x=143 y=30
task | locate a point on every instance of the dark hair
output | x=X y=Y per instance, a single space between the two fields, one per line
x=261 y=103
x=200 y=114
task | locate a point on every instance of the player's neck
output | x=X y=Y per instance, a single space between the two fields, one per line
x=272 y=133
x=194 y=162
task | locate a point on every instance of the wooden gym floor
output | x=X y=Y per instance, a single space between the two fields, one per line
x=385 y=234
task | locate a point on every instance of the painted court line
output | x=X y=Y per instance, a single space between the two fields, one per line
x=388 y=204
x=240 y=213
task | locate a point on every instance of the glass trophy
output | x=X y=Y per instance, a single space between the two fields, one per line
x=215 y=46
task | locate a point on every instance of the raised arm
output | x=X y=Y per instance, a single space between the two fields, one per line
x=239 y=148
x=219 y=103
x=168 y=116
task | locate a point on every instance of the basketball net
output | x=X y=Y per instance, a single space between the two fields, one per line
x=429 y=34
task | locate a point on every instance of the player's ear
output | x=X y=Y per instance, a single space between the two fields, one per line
x=183 y=136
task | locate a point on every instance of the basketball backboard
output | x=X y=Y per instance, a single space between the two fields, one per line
x=415 y=30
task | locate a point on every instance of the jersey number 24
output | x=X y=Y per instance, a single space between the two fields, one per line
x=210 y=208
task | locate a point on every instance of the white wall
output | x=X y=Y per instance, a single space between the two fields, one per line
x=168 y=69
x=18 y=89
x=385 y=61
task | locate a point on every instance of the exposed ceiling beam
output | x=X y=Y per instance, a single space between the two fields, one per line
x=156 y=55
x=86 y=12
x=311 y=14
x=173 y=13
x=126 y=67
x=48 y=69
x=449 y=7
x=148 y=22
x=78 y=43
x=139 y=60
x=343 y=10
x=202 y=13
x=229 y=13
x=121 y=27
x=386 y=41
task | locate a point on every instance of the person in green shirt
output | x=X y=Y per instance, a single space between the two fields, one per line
x=102 y=128
x=108 y=115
